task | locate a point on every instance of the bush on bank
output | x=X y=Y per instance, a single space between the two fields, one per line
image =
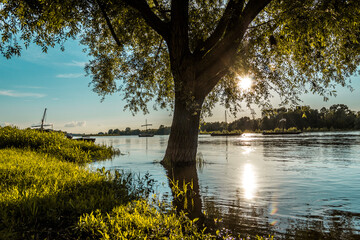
x=53 y=143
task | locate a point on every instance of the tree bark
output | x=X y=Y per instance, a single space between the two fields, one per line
x=183 y=139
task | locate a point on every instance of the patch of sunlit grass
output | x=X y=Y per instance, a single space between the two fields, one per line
x=43 y=198
x=54 y=143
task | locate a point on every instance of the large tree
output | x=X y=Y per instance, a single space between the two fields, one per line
x=188 y=55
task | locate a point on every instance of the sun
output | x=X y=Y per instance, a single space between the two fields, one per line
x=245 y=83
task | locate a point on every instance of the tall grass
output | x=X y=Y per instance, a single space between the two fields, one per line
x=53 y=143
x=42 y=197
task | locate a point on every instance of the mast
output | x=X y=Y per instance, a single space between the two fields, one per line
x=226 y=124
x=146 y=124
x=43 y=120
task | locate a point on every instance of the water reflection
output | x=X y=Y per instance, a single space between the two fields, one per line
x=248 y=181
x=186 y=177
x=295 y=187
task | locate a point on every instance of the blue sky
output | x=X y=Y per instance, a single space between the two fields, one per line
x=57 y=81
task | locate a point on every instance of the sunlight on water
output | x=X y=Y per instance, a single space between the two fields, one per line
x=305 y=185
x=248 y=181
x=247 y=150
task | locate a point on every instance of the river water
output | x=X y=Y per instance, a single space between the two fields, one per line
x=303 y=186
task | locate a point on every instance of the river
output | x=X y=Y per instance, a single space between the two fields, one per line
x=303 y=186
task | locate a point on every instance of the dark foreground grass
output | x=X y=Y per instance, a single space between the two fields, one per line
x=54 y=143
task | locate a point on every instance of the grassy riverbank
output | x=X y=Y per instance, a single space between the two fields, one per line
x=45 y=194
x=55 y=144
x=42 y=197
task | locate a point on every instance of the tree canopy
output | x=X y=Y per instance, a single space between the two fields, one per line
x=193 y=52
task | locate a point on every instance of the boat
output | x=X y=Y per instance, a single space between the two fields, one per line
x=81 y=138
x=146 y=134
x=86 y=139
x=226 y=132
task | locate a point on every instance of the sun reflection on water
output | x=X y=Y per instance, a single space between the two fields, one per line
x=247 y=150
x=248 y=181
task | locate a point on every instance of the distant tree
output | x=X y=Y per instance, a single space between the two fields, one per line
x=110 y=131
x=357 y=121
x=189 y=54
x=161 y=130
x=117 y=131
x=341 y=117
x=127 y=130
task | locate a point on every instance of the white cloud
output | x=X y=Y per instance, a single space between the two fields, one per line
x=29 y=87
x=11 y=93
x=6 y=124
x=75 y=124
x=70 y=75
x=76 y=64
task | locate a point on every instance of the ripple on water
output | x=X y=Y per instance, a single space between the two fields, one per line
x=302 y=186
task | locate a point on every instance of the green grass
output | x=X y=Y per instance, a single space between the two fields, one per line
x=41 y=196
x=46 y=194
x=55 y=144
x=139 y=220
x=233 y=132
x=279 y=130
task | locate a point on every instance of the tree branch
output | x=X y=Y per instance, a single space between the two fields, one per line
x=158 y=51
x=252 y=9
x=161 y=11
x=232 y=11
x=108 y=22
x=150 y=17
x=222 y=55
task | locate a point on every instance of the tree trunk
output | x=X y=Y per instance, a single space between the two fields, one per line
x=183 y=139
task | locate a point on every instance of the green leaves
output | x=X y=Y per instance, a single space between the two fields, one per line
x=291 y=47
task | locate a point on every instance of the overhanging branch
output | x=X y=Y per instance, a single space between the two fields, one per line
x=150 y=17
x=108 y=22
x=222 y=55
x=232 y=11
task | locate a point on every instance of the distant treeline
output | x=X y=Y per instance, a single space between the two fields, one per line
x=337 y=117
x=162 y=130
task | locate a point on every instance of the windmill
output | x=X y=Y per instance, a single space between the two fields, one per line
x=42 y=124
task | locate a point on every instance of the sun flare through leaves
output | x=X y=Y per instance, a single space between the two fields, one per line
x=245 y=83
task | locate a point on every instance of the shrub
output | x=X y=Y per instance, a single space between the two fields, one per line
x=54 y=143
